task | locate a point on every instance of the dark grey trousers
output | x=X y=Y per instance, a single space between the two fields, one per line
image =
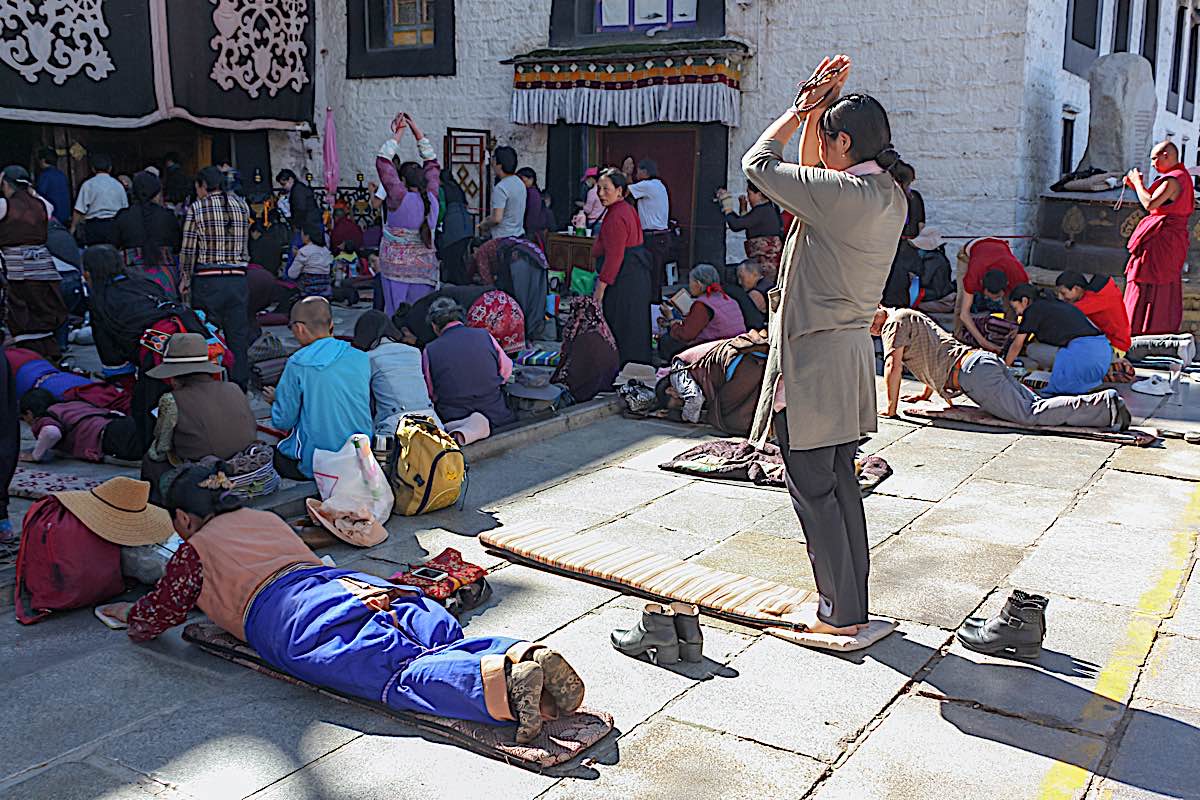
x=828 y=502
x=985 y=379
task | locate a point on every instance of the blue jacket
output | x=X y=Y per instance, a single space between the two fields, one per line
x=323 y=397
x=52 y=185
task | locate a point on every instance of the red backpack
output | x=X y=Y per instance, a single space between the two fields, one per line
x=62 y=564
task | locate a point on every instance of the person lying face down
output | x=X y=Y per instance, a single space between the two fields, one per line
x=725 y=376
x=949 y=368
x=344 y=630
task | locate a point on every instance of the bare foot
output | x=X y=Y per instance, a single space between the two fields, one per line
x=813 y=624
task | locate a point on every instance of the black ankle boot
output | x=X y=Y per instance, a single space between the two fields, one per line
x=1014 y=632
x=1017 y=600
x=654 y=635
x=687 y=629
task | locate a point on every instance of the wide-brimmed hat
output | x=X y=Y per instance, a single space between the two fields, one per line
x=119 y=511
x=186 y=354
x=362 y=533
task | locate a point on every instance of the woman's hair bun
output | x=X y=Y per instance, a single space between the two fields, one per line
x=887 y=157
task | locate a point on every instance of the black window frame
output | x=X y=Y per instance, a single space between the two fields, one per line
x=1189 y=85
x=1176 y=75
x=1066 y=154
x=411 y=62
x=1121 y=15
x=1149 y=48
x=573 y=24
x=1078 y=55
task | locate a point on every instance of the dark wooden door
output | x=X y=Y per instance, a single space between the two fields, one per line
x=676 y=150
x=467 y=161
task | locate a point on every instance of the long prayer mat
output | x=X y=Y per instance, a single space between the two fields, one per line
x=34 y=484
x=974 y=415
x=561 y=739
x=774 y=607
x=738 y=460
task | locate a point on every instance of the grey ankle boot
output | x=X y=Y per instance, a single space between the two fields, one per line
x=654 y=635
x=687 y=629
x=1015 y=602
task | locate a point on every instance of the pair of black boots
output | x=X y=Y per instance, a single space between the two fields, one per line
x=1018 y=630
x=665 y=635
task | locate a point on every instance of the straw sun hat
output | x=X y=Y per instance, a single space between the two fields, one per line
x=118 y=510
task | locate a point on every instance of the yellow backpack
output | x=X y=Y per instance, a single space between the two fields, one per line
x=426 y=467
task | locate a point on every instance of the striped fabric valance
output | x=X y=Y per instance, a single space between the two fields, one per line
x=673 y=88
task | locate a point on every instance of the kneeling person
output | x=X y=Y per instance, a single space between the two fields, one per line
x=1084 y=355
x=344 y=630
x=77 y=429
x=948 y=367
x=725 y=376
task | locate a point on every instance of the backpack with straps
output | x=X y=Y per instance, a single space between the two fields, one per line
x=426 y=468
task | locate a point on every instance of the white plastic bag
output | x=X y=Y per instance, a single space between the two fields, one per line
x=147 y=563
x=352 y=480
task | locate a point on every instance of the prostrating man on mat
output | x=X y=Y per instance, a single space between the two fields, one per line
x=344 y=630
x=324 y=393
x=1084 y=355
x=949 y=367
x=992 y=271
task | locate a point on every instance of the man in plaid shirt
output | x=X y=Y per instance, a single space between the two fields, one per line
x=213 y=261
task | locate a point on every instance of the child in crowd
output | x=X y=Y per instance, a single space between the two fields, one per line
x=77 y=429
x=313 y=264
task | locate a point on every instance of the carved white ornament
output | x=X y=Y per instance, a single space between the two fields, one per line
x=260 y=44
x=60 y=37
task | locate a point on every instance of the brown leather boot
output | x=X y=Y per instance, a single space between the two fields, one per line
x=559 y=680
x=525 y=699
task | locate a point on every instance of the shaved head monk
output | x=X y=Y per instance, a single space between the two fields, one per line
x=1159 y=245
x=324 y=393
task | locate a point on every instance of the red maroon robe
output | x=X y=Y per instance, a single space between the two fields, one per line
x=1158 y=249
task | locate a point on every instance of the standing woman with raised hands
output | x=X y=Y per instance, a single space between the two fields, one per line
x=819 y=390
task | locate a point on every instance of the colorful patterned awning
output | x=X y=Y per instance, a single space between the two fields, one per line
x=683 y=82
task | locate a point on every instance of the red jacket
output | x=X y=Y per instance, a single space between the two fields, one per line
x=1106 y=309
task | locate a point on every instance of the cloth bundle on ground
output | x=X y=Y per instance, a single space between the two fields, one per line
x=460 y=587
x=973 y=415
x=537 y=358
x=738 y=460
x=561 y=740
x=595 y=558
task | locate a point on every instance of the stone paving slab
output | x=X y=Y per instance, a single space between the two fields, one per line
x=245 y=740
x=1064 y=561
x=59 y=639
x=936 y=579
x=1171 y=458
x=120 y=687
x=670 y=759
x=77 y=780
x=612 y=440
x=1170 y=673
x=1158 y=757
x=890 y=431
x=827 y=701
x=927 y=473
x=1140 y=501
x=1186 y=619
x=926 y=749
x=704 y=510
x=886 y=516
x=612 y=490
x=1056 y=688
x=529 y=604
x=992 y=511
x=761 y=555
x=633 y=689
x=406 y=766
x=978 y=440
x=1029 y=466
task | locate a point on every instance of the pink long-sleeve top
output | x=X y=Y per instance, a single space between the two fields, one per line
x=404 y=206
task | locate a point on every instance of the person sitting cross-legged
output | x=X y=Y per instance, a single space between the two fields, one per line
x=465 y=369
x=324 y=394
x=948 y=367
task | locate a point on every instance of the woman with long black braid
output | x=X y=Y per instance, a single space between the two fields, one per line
x=819 y=389
x=148 y=235
x=213 y=261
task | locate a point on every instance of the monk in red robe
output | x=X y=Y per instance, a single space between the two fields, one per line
x=1159 y=245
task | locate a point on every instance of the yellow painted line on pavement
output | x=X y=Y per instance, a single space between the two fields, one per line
x=1065 y=781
